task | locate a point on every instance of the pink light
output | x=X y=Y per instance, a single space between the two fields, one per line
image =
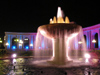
x=14 y=55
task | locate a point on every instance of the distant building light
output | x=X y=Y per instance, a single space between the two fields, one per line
x=14 y=47
x=7 y=44
x=93 y=41
x=26 y=39
x=14 y=55
x=20 y=44
x=0 y=41
x=80 y=42
x=31 y=44
x=16 y=40
x=20 y=41
x=26 y=47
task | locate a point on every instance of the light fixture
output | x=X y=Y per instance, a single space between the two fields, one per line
x=14 y=55
x=31 y=44
x=80 y=42
x=93 y=41
x=7 y=44
x=26 y=39
x=14 y=47
x=26 y=47
x=20 y=41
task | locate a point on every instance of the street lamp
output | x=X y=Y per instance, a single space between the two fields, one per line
x=94 y=41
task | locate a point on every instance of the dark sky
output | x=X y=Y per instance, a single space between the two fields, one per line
x=28 y=15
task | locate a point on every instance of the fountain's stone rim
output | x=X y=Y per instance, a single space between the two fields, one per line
x=56 y=29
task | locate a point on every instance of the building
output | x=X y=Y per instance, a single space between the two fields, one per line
x=92 y=34
x=25 y=41
x=19 y=41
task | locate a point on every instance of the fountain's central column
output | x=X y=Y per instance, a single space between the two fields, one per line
x=59 y=51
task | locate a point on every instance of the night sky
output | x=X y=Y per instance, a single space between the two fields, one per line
x=28 y=15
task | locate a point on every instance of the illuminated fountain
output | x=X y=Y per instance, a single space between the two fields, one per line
x=63 y=38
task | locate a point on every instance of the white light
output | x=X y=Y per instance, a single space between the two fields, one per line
x=73 y=35
x=80 y=42
x=86 y=60
x=59 y=12
x=0 y=41
x=93 y=41
x=14 y=55
x=31 y=44
x=87 y=56
x=14 y=61
x=7 y=44
x=50 y=19
x=25 y=39
x=20 y=44
x=42 y=32
x=20 y=41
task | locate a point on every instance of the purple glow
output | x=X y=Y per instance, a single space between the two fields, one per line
x=14 y=55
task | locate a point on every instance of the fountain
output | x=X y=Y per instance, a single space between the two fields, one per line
x=65 y=36
x=64 y=43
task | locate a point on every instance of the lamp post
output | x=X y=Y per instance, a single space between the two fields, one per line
x=94 y=41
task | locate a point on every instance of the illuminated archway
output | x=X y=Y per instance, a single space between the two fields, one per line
x=26 y=43
x=96 y=38
x=15 y=43
x=85 y=38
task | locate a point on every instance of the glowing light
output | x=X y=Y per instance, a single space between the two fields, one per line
x=87 y=60
x=42 y=32
x=26 y=39
x=59 y=12
x=14 y=47
x=87 y=55
x=0 y=41
x=31 y=44
x=14 y=61
x=16 y=40
x=80 y=42
x=93 y=41
x=27 y=47
x=14 y=55
x=7 y=44
x=73 y=35
x=20 y=41
x=20 y=44
x=50 y=19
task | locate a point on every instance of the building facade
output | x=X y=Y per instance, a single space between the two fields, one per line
x=19 y=41
x=92 y=33
x=25 y=41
